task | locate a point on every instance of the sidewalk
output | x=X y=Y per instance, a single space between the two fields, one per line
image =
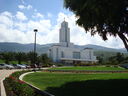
x=3 y=75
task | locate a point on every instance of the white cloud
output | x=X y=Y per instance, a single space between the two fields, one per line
x=6 y=19
x=21 y=16
x=25 y=7
x=6 y=13
x=49 y=15
x=21 y=7
x=35 y=10
x=29 y=7
x=38 y=15
x=22 y=32
x=22 y=1
x=80 y=37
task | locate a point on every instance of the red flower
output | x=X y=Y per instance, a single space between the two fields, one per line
x=12 y=77
x=20 y=81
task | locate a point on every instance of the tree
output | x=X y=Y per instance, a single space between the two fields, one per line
x=117 y=59
x=120 y=57
x=20 y=56
x=126 y=60
x=100 y=59
x=112 y=60
x=105 y=17
x=45 y=60
x=7 y=57
x=31 y=58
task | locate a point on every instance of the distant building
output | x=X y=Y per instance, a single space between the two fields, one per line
x=65 y=51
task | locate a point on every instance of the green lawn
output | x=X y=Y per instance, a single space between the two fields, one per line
x=97 y=68
x=70 y=84
x=1 y=61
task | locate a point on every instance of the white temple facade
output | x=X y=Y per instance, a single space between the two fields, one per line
x=65 y=51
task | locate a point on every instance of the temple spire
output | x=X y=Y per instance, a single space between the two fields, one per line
x=64 y=33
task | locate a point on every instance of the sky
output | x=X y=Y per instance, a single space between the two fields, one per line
x=18 y=19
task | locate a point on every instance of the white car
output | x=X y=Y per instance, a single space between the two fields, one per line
x=6 y=66
x=20 y=66
x=2 y=66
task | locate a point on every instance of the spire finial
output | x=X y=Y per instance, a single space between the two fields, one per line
x=64 y=18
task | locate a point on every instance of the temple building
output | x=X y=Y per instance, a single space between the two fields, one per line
x=65 y=51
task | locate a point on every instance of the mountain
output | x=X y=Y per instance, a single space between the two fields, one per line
x=16 y=47
x=101 y=48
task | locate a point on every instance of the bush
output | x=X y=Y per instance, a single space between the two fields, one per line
x=16 y=87
x=85 y=64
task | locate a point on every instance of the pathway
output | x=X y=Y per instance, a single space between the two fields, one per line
x=3 y=74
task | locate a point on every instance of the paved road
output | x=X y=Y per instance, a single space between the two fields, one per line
x=3 y=74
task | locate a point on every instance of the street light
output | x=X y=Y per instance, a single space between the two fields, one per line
x=35 y=30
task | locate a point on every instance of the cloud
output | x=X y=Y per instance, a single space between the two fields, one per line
x=38 y=15
x=29 y=7
x=6 y=18
x=80 y=37
x=21 y=7
x=25 y=7
x=49 y=15
x=22 y=1
x=22 y=32
x=21 y=16
x=35 y=10
x=6 y=13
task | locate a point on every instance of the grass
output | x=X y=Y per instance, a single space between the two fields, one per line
x=97 y=68
x=1 y=61
x=69 y=84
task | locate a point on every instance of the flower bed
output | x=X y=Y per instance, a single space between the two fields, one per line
x=16 y=87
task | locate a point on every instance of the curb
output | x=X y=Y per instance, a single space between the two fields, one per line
x=44 y=92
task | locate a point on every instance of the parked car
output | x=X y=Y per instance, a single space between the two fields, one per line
x=6 y=66
x=28 y=66
x=15 y=66
x=2 y=66
x=19 y=66
x=24 y=65
x=35 y=66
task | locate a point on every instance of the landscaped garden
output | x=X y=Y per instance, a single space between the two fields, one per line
x=80 y=84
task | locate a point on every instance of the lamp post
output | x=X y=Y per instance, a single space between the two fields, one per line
x=35 y=30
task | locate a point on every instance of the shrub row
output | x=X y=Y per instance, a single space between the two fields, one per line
x=16 y=87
